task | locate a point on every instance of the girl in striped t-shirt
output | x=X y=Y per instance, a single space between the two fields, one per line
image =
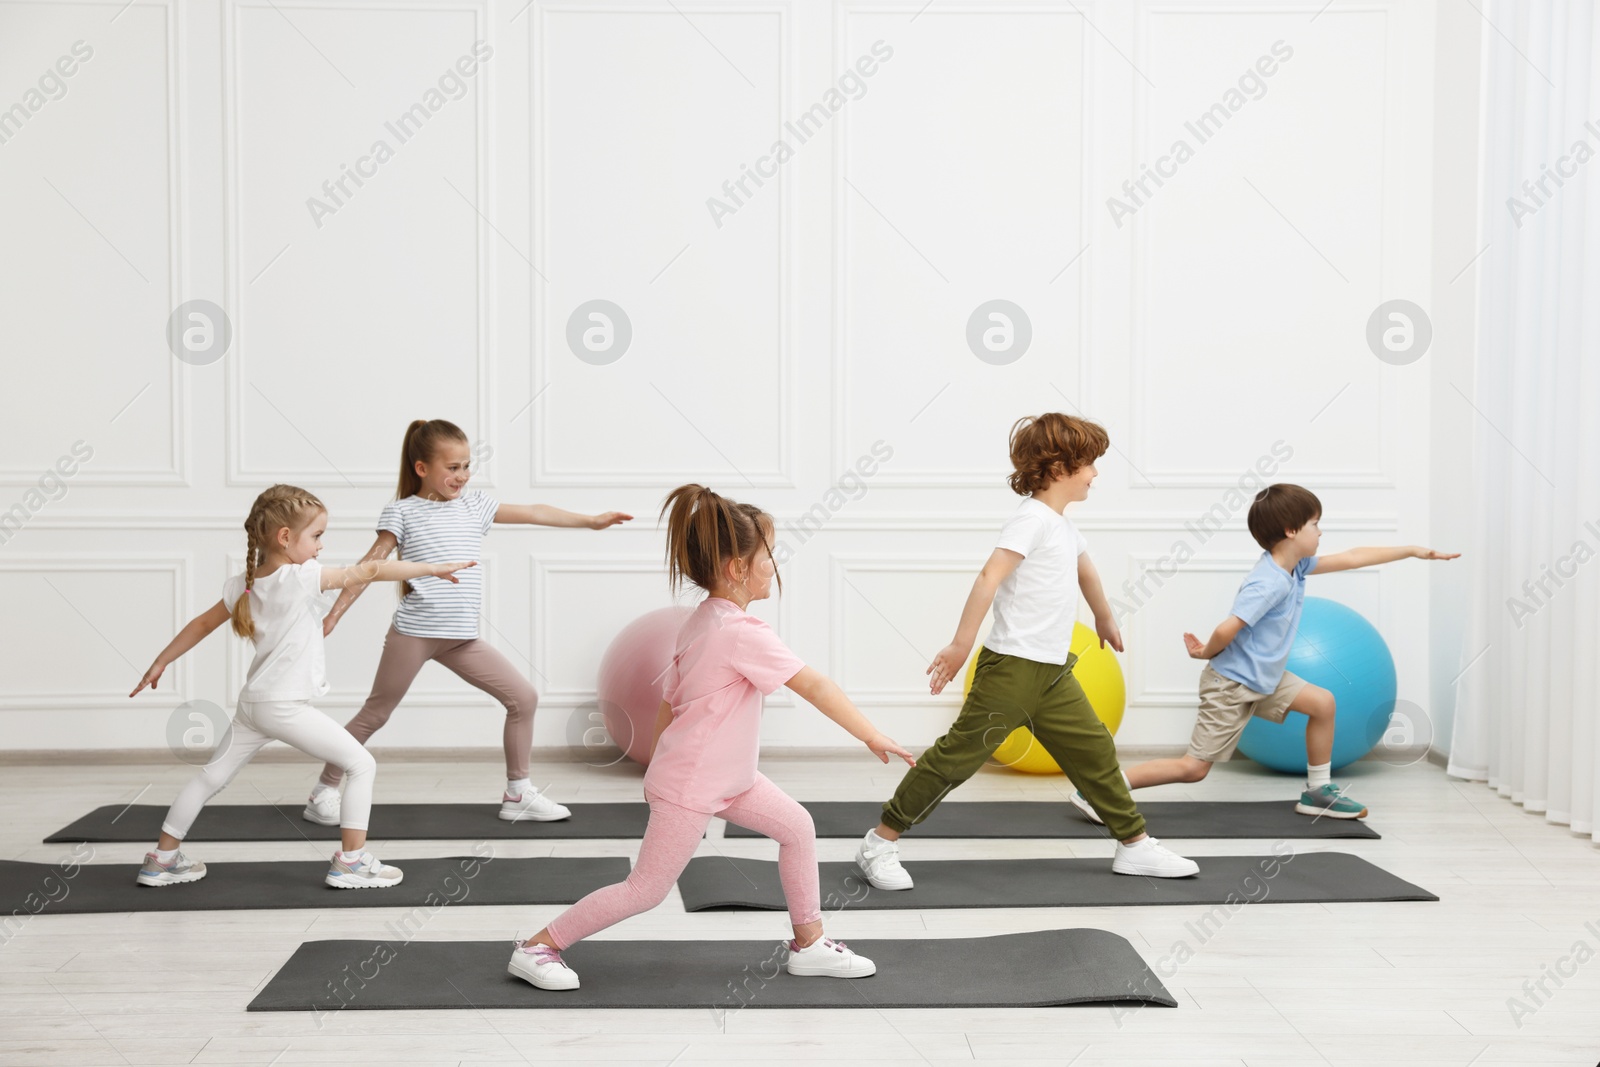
x=432 y=520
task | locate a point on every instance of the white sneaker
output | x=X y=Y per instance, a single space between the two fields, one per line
x=1081 y=802
x=542 y=966
x=366 y=872
x=1150 y=858
x=880 y=863
x=323 y=807
x=181 y=869
x=532 y=805
x=829 y=959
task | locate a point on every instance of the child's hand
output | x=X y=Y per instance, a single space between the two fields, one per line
x=1195 y=646
x=610 y=518
x=944 y=666
x=1428 y=553
x=151 y=677
x=883 y=747
x=447 y=571
x=1106 y=628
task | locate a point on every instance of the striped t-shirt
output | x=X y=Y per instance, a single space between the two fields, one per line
x=441 y=531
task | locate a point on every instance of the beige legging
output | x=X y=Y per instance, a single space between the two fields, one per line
x=474 y=660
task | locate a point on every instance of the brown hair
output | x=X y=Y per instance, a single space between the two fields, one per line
x=280 y=506
x=1042 y=443
x=420 y=444
x=705 y=529
x=422 y=440
x=1279 y=508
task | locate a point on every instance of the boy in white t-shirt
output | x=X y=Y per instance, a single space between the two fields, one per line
x=1024 y=672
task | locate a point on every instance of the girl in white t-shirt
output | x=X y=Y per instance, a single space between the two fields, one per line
x=277 y=603
x=432 y=517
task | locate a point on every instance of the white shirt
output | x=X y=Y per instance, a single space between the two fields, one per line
x=1036 y=606
x=287 y=607
x=441 y=531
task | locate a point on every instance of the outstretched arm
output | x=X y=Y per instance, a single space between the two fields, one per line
x=1000 y=564
x=816 y=688
x=380 y=550
x=1353 y=558
x=196 y=631
x=395 y=571
x=545 y=515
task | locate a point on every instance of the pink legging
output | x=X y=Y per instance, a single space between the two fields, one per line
x=475 y=661
x=670 y=840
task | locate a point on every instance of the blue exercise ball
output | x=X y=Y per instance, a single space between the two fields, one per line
x=1344 y=653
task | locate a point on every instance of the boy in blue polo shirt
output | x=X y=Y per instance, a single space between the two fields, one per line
x=1249 y=650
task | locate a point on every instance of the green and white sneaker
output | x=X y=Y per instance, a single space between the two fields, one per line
x=1330 y=802
x=181 y=869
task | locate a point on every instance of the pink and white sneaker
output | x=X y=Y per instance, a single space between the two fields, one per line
x=532 y=806
x=829 y=958
x=181 y=869
x=366 y=871
x=542 y=966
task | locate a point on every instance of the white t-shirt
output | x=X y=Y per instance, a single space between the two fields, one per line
x=287 y=607
x=441 y=531
x=1037 y=604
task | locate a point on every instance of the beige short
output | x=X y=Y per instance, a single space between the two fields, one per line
x=1226 y=707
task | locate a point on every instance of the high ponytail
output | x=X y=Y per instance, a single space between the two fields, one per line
x=421 y=441
x=280 y=506
x=705 y=529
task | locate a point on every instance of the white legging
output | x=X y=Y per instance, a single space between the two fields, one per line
x=297 y=723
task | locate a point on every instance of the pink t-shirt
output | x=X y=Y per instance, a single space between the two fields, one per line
x=726 y=661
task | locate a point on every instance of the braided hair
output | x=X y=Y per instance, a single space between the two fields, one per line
x=278 y=507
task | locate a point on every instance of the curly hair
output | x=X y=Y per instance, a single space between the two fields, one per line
x=1046 y=446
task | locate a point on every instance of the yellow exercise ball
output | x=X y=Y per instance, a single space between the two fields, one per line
x=1100 y=676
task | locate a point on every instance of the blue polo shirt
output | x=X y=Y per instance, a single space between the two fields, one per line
x=1269 y=601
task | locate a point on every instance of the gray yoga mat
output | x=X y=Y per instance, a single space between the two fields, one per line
x=1045 y=968
x=48 y=888
x=1309 y=877
x=1272 y=819
x=390 y=822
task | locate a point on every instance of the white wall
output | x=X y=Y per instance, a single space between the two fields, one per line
x=1222 y=318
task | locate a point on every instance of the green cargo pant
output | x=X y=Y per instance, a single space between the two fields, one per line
x=1008 y=692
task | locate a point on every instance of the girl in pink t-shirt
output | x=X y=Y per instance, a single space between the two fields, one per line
x=708 y=729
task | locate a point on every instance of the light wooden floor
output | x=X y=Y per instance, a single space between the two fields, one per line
x=1413 y=984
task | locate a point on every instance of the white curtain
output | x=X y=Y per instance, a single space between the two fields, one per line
x=1528 y=697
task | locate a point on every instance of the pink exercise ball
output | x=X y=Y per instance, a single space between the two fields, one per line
x=631 y=675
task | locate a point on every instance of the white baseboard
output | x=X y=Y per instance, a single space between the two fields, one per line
x=477 y=754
